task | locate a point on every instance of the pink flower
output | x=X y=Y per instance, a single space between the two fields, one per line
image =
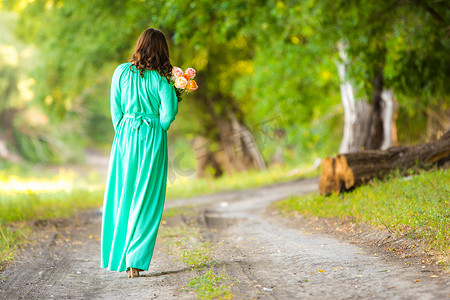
x=190 y=73
x=181 y=82
x=177 y=72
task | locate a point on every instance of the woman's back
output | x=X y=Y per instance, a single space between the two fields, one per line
x=139 y=94
x=149 y=94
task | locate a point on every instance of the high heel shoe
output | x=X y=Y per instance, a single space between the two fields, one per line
x=133 y=272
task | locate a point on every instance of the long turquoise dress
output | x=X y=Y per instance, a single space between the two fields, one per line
x=142 y=110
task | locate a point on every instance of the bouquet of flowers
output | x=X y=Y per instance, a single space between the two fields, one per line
x=183 y=81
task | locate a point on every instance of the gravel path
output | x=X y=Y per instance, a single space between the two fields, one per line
x=268 y=257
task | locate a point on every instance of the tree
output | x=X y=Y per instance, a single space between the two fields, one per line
x=393 y=47
x=75 y=74
x=257 y=61
x=208 y=35
x=13 y=101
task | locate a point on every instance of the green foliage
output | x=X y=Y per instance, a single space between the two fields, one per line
x=257 y=62
x=78 y=36
x=408 y=39
x=417 y=206
x=25 y=125
x=258 y=59
x=9 y=64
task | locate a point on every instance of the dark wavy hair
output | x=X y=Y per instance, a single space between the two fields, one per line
x=152 y=53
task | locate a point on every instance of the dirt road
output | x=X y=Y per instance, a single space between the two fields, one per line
x=267 y=257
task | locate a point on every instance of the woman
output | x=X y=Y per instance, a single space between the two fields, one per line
x=143 y=105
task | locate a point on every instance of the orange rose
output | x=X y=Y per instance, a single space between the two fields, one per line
x=192 y=85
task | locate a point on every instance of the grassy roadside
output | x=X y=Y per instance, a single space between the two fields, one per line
x=416 y=206
x=11 y=238
x=23 y=199
x=17 y=209
x=183 y=187
x=186 y=244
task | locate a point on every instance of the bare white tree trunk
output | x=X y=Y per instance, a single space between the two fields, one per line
x=389 y=115
x=357 y=113
x=348 y=101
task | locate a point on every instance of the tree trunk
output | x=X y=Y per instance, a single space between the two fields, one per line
x=356 y=113
x=389 y=112
x=374 y=137
x=206 y=157
x=230 y=146
x=366 y=126
x=238 y=146
x=438 y=120
x=346 y=171
x=245 y=145
x=7 y=137
x=232 y=149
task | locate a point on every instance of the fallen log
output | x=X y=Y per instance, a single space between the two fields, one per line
x=347 y=171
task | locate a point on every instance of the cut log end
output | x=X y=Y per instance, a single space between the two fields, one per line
x=327 y=182
x=347 y=171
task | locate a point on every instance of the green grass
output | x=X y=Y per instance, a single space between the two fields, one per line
x=211 y=286
x=186 y=210
x=186 y=187
x=187 y=245
x=417 y=206
x=10 y=240
x=30 y=205
x=29 y=198
x=16 y=209
x=183 y=242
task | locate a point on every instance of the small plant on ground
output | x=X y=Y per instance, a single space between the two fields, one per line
x=211 y=286
x=199 y=256
x=185 y=243
x=11 y=238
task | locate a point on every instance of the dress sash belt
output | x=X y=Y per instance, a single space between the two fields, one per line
x=138 y=119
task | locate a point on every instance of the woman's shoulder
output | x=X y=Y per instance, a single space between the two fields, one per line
x=121 y=69
x=123 y=66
